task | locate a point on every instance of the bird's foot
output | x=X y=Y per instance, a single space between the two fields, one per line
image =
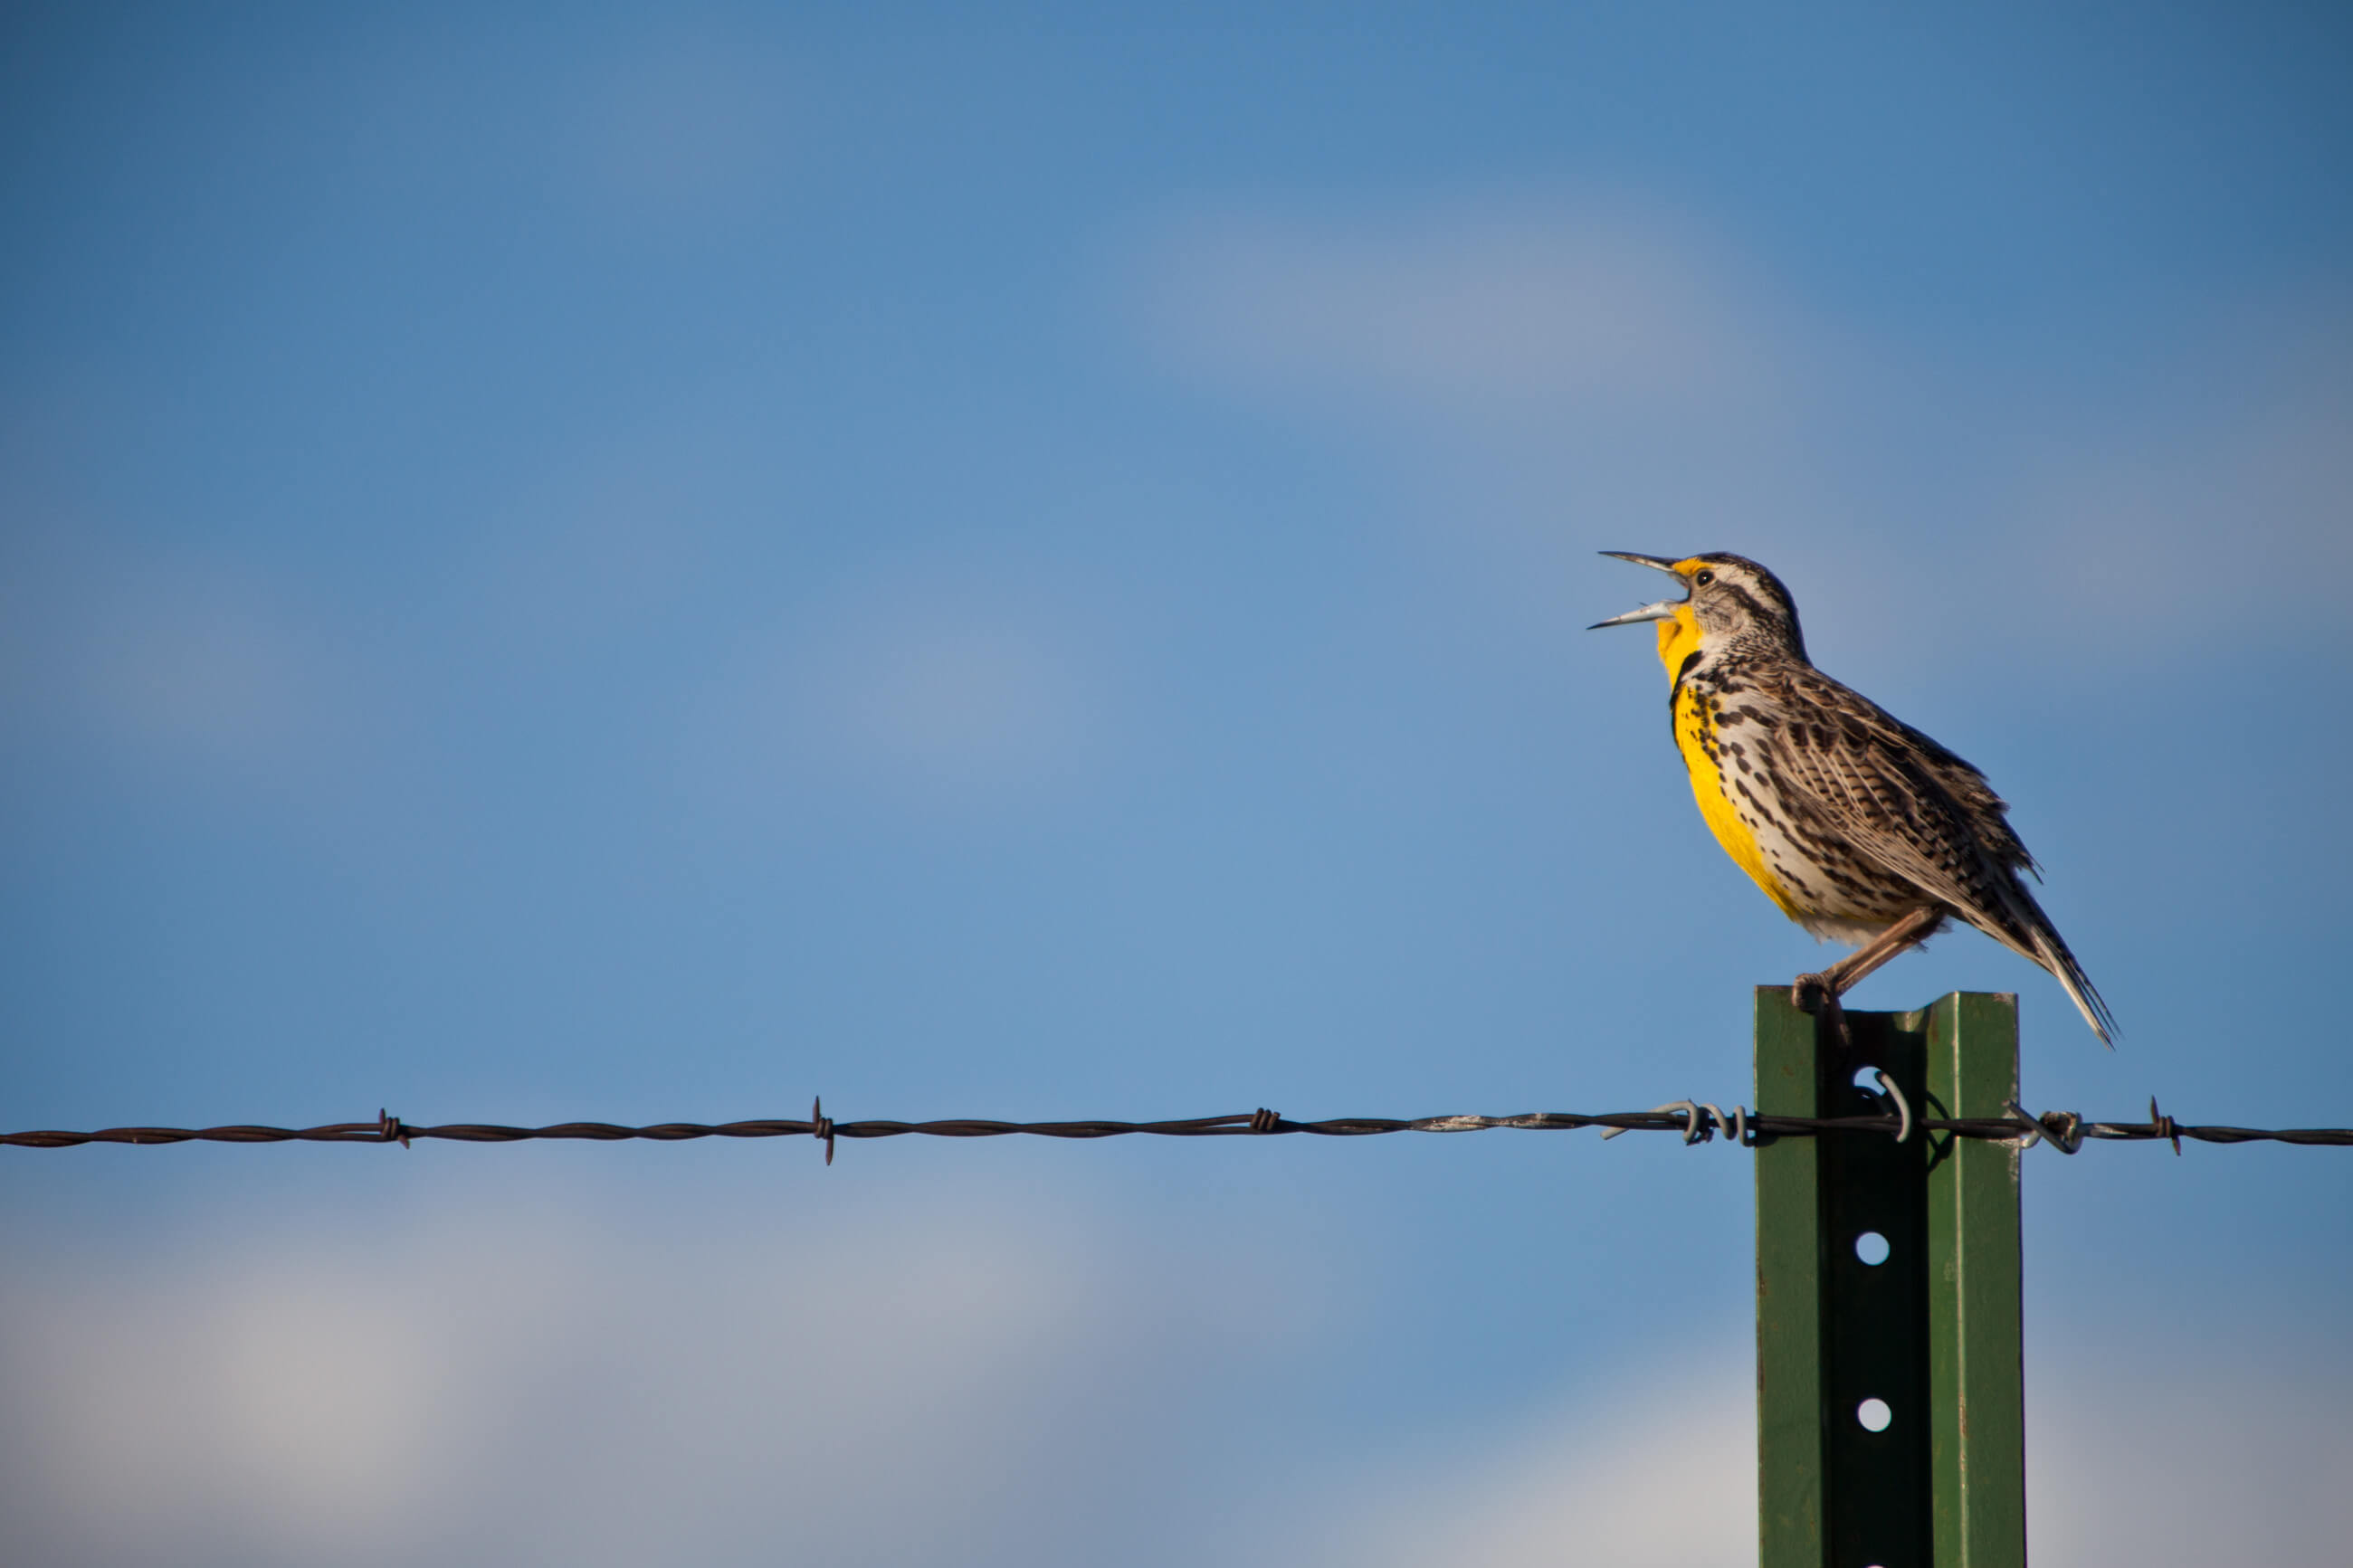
x=1819 y=995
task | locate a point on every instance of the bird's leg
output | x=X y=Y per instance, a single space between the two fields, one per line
x=1908 y=933
x=1819 y=992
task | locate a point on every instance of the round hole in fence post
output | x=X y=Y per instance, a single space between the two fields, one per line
x=1871 y=1247
x=1874 y=1415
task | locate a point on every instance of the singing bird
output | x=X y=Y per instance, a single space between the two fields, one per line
x=1862 y=829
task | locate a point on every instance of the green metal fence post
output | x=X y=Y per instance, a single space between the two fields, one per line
x=1976 y=1383
x=1930 y=1328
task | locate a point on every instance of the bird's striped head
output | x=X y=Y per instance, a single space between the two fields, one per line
x=1729 y=603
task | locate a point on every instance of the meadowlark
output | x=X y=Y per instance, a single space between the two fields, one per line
x=1859 y=826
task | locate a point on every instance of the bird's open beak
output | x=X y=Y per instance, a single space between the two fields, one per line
x=1662 y=610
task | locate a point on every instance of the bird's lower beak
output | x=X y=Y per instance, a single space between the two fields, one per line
x=1664 y=610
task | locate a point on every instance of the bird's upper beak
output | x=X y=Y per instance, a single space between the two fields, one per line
x=1663 y=609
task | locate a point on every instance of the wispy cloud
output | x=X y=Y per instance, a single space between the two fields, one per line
x=1626 y=376
x=1560 y=371
x=2238 y=1458
x=539 y=1381
x=1659 y=1469
x=191 y=662
x=934 y=686
x=2198 y=521
x=1464 y=312
x=957 y=1376
x=2231 y=1454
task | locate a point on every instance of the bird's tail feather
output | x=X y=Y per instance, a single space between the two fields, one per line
x=2052 y=955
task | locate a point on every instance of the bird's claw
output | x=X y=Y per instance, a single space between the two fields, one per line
x=1819 y=995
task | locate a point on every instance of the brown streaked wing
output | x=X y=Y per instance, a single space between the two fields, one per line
x=1863 y=777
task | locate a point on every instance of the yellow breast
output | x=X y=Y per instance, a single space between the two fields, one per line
x=1696 y=739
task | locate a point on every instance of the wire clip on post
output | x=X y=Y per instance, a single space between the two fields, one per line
x=2062 y=1129
x=1701 y=1123
x=1894 y=1094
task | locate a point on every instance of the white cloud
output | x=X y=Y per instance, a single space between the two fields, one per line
x=2229 y=1456
x=2192 y=1452
x=1662 y=1470
x=956 y=1376
x=538 y=1382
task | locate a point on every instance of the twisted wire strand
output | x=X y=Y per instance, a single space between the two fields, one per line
x=1696 y=1125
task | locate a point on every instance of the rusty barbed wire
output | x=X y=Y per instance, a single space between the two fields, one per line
x=1697 y=1122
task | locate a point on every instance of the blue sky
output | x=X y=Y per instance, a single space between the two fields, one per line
x=651 y=564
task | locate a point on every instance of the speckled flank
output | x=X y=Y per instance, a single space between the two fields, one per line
x=1741 y=822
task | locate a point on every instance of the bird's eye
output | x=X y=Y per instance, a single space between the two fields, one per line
x=1702 y=578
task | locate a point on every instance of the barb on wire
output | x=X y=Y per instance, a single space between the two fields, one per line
x=1697 y=1121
